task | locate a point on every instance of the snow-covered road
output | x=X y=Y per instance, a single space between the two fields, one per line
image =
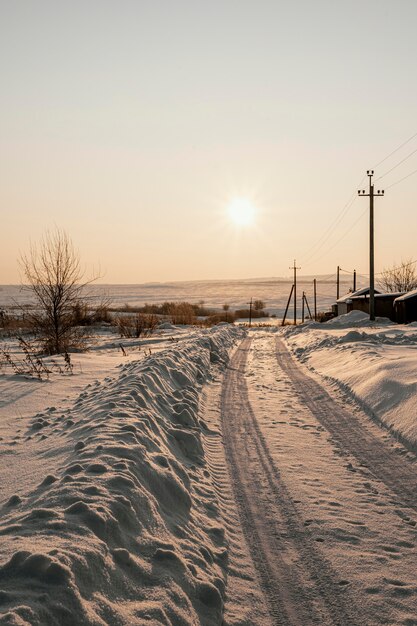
x=325 y=498
x=353 y=433
x=211 y=484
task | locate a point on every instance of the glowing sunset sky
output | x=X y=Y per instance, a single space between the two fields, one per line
x=134 y=125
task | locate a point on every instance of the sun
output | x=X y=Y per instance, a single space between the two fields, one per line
x=242 y=212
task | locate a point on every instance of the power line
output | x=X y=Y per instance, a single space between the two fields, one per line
x=312 y=251
x=324 y=279
x=397 y=165
x=394 y=151
x=343 y=236
x=401 y=179
x=391 y=269
x=328 y=232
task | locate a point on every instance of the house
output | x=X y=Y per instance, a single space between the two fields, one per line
x=405 y=307
x=354 y=301
x=359 y=301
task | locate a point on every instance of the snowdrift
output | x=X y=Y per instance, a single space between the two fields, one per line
x=376 y=363
x=127 y=530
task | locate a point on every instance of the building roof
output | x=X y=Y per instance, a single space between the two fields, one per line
x=390 y=294
x=407 y=296
x=356 y=294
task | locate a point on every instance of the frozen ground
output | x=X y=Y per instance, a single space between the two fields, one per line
x=180 y=487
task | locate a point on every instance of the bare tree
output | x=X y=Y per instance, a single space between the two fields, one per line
x=399 y=278
x=54 y=276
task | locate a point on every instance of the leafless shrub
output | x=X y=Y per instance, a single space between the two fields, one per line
x=6 y=360
x=181 y=313
x=258 y=305
x=216 y=318
x=399 y=278
x=68 y=363
x=31 y=365
x=34 y=362
x=165 y=309
x=245 y=313
x=11 y=324
x=137 y=325
x=80 y=314
x=102 y=313
x=324 y=316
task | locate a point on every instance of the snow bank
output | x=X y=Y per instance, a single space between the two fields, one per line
x=355 y=318
x=376 y=363
x=127 y=530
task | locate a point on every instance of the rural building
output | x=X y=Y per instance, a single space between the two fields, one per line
x=354 y=301
x=405 y=307
x=359 y=301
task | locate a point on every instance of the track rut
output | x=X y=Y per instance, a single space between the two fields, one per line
x=352 y=435
x=299 y=585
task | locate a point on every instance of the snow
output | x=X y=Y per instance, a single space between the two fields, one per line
x=214 y=293
x=373 y=362
x=108 y=511
x=407 y=296
x=158 y=486
x=355 y=294
x=352 y=530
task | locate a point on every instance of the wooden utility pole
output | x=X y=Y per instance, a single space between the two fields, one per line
x=315 y=299
x=338 y=283
x=288 y=304
x=354 y=280
x=302 y=308
x=250 y=312
x=308 y=308
x=295 y=291
x=371 y=196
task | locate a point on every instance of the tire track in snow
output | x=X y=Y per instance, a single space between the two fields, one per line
x=299 y=585
x=370 y=450
x=245 y=601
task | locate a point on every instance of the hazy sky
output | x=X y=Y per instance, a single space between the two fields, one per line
x=133 y=125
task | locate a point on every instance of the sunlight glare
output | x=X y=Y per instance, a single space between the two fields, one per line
x=242 y=212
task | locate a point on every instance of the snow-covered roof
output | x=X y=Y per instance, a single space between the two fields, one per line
x=354 y=294
x=406 y=296
x=391 y=294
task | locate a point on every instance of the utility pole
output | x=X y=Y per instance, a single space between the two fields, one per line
x=295 y=291
x=302 y=308
x=308 y=308
x=288 y=304
x=338 y=283
x=354 y=280
x=371 y=196
x=315 y=299
x=250 y=312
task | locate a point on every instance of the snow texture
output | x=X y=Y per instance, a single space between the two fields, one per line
x=373 y=362
x=124 y=528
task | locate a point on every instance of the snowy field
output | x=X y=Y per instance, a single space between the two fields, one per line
x=214 y=293
x=215 y=477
